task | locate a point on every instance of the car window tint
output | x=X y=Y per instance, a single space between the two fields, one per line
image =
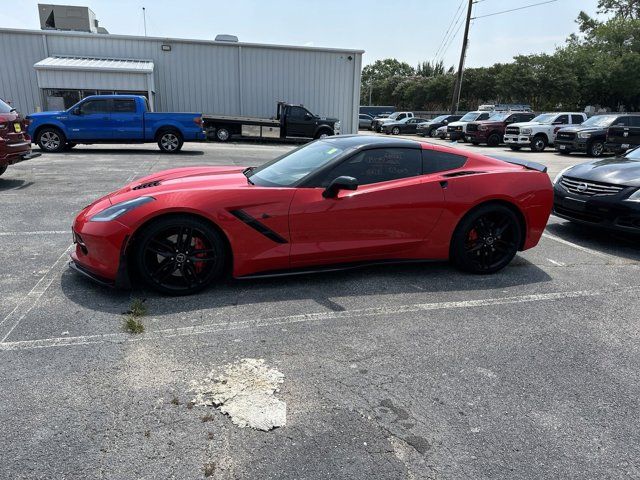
x=124 y=106
x=378 y=165
x=95 y=106
x=483 y=116
x=296 y=112
x=435 y=161
x=577 y=119
x=562 y=119
x=401 y=116
x=621 y=122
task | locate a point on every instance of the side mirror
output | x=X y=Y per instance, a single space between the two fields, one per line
x=445 y=122
x=340 y=183
x=77 y=111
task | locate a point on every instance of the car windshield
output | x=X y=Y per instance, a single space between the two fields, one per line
x=469 y=117
x=393 y=116
x=600 y=121
x=292 y=167
x=544 y=118
x=499 y=117
x=4 y=108
x=438 y=119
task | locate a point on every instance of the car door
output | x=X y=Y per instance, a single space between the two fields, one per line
x=410 y=126
x=300 y=122
x=126 y=121
x=389 y=215
x=90 y=120
x=634 y=130
x=560 y=122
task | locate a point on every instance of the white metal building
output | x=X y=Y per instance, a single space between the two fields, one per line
x=50 y=70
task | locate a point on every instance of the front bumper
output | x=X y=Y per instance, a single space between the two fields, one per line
x=455 y=134
x=477 y=136
x=517 y=139
x=570 y=145
x=609 y=212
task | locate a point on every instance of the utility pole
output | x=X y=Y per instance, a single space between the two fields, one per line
x=455 y=101
x=144 y=19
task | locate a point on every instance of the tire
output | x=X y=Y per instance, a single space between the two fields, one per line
x=595 y=149
x=486 y=239
x=494 y=140
x=164 y=257
x=395 y=131
x=170 y=141
x=539 y=143
x=515 y=148
x=223 y=134
x=51 y=139
x=3 y=169
x=325 y=132
x=433 y=133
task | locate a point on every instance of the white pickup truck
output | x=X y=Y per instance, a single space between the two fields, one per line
x=378 y=122
x=541 y=131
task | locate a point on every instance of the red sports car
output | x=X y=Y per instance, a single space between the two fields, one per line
x=334 y=203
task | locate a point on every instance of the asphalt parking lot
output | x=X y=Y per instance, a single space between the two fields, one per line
x=412 y=371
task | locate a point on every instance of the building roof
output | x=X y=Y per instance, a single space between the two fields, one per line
x=95 y=64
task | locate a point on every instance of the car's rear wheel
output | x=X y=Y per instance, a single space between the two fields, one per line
x=223 y=134
x=170 y=141
x=595 y=149
x=179 y=256
x=51 y=140
x=486 y=240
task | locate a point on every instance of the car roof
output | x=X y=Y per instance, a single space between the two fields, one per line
x=357 y=141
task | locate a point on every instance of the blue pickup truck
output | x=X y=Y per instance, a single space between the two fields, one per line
x=113 y=119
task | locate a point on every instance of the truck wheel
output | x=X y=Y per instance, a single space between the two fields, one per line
x=50 y=139
x=515 y=148
x=170 y=141
x=3 y=169
x=323 y=133
x=223 y=134
x=494 y=140
x=595 y=149
x=539 y=143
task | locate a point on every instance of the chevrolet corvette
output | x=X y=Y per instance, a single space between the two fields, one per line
x=338 y=202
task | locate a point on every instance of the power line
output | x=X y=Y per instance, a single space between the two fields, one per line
x=453 y=37
x=455 y=101
x=514 y=9
x=444 y=37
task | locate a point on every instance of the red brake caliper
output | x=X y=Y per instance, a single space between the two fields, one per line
x=199 y=245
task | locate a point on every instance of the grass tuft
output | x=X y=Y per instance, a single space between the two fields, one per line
x=133 y=325
x=138 y=309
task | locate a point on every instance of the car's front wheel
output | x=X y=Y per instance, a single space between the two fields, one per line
x=51 y=140
x=539 y=143
x=395 y=130
x=179 y=256
x=486 y=239
x=595 y=149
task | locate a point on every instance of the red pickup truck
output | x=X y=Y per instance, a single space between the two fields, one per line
x=15 y=144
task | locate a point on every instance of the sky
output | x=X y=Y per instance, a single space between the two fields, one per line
x=409 y=30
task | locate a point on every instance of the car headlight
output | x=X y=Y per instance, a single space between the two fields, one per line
x=525 y=131
x=115 y=211
x=634 y=197
x=559 y=176
x=584 y=135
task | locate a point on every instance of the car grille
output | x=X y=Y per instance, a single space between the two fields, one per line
x=472 y=127
x=581 y=187
x=566 y=136
x=512 y=131
x=454 y=129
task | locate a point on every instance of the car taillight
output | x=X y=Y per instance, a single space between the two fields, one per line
x=197 y=120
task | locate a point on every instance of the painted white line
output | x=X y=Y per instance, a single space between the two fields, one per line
x=37 y=232
x=29 y=301
x=559 y=264
x=576 y=246
x=301 y=318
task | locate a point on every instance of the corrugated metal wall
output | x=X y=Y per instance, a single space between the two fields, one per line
x=206 y=77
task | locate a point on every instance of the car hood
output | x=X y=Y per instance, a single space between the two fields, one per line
x=46 y=114
x=187 y=178
x=578 y=128
x=617 y=170
x=458 y=124
x=528 y=124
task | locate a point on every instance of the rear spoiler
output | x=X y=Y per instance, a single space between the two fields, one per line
x=523 y=163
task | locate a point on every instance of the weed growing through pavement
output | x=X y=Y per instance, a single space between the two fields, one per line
x=132 y=322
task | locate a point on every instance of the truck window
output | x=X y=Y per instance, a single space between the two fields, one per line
x=379 y=165
x=297 y=112
x=124 y=106
x=401 y=116
x=562 y=120
x=95 y=106
x=622 y=122
x=634 y=121
x=483 y=116
x=577 y=119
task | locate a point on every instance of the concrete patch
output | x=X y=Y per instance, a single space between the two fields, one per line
x=245 y=393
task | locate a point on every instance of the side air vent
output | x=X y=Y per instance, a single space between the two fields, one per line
x=146 y=185
x=460 y=174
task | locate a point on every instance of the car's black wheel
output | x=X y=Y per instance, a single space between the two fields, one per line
x=170 y=141
x=494 y=140
x=595 y=149
x=486 y=240
x=51 y=139
x=323 y=133
x=3 y=169
x=539 y=143
x=515 y=148
x=395 y=130
x=433 y=132
x=223 y=134
x=179 y=256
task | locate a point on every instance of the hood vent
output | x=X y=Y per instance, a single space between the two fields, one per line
x=146 y=185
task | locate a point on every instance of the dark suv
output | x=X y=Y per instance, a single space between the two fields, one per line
x=590 y=137
x=491 y=131
x=624 y=133
x=15 y=144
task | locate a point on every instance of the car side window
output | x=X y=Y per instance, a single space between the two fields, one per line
x=297 y=112
x=562 y=120
x=124 y=106
x=634 y=121
x=378 y=165
x=95 y=106
x=434 y=161
x=621 y=122
x=483 y=116
x=576 y=119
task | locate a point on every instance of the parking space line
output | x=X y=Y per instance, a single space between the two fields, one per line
x=576 y=246
x=31 y=299
x=301 y=318
x=556 y=263
x=37 y=232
